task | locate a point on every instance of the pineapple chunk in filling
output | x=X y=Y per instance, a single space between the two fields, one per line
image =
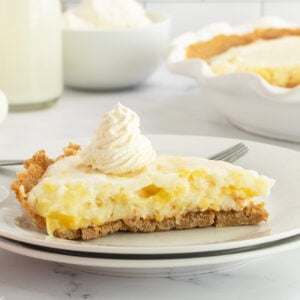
x=71 y=195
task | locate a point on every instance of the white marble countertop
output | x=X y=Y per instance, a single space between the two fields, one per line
x=167 y=104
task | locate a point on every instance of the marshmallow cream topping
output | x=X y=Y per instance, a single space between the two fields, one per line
x=118 y=146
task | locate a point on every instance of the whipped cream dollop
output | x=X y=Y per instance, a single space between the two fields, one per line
x=118 y=146
x=106 y=14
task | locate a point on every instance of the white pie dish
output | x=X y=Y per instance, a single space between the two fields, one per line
x=246 y=99
x=114 y=59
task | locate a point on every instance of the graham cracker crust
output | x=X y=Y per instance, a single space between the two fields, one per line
x=222 y=42
x=38 y=164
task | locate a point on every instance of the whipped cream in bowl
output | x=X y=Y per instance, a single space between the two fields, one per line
x=112 y=44
x=106 y=14
x=118 y=146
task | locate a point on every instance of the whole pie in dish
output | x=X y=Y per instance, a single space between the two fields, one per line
x=118 y=183
x=272 y=53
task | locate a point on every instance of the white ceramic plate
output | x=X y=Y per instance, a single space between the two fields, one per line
x=283 y=204
x=150 y=267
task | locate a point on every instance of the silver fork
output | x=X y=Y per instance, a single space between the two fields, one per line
x=10 y=162
x=230 y=155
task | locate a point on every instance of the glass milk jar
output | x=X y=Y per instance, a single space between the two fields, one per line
x=30 y=52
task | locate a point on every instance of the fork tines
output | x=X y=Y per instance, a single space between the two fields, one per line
x=231 y=154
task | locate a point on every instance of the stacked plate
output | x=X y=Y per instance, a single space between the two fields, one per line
x=175 y=252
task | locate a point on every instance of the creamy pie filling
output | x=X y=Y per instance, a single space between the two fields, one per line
x=71 y=195
x=277 y=61
x=272 y=53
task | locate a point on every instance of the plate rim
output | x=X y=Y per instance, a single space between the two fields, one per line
x=127 y=264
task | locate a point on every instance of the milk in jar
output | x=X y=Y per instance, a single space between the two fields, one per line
x=30 y=52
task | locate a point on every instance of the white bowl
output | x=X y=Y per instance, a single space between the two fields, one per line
x=246 y=99
x=113 y=59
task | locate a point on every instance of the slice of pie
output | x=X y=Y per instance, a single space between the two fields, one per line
x=73 y=198
x=272 y=53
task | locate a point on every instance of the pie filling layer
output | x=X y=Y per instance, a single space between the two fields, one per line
x=274 y=54
x=71 y=195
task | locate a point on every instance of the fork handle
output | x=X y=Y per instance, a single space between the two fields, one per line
x=10 y=162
